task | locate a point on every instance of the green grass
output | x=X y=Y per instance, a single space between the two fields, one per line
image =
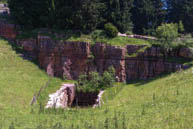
x=162 y=103
x=73 y=36
x=122 y=41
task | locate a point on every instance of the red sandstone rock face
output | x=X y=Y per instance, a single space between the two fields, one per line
x=107 y=56
x=7 y=30
x=70 y=59
x=63 y=59
x=29 y=46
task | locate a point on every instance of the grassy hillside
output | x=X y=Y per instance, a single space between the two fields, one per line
x=162 y=103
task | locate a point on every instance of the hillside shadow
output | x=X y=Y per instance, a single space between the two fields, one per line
x=138 y=82
x=20 y=51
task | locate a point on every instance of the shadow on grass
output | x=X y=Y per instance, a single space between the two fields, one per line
x=143 y=82
x=138 y=82
x=20 y=51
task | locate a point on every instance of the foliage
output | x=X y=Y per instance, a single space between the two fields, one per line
x=94 y=82
x=180 y=27
x=166 y=33
x=110 y=30
x=118 y=13
x=108 y=78
x=82 y=15
x=184 y=41
x=181 y=10
x=143 y=16
x=98 y=34
x=147 y=15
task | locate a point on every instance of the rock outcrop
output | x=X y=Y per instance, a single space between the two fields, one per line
x=63 y=98
x=70 y=59
x=8 y=31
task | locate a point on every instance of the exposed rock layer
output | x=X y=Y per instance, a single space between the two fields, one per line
x=70 y=59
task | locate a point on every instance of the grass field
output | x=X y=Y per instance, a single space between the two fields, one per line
x=73 y=37
x=162 y=103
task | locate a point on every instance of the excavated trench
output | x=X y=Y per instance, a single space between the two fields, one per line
x=67 y=96
x=87 y=99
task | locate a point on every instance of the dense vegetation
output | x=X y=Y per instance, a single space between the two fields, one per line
x=95 y=82
x=169 y=36
x=88 y=15
x=82 y=15
x=165 y=102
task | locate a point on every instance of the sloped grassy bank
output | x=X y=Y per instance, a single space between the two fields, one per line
x=165 y=102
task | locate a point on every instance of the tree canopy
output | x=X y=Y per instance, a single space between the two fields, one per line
x=139 y=16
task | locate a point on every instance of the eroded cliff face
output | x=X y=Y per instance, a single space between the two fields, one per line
x=70 y=59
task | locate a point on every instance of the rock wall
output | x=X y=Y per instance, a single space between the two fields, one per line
x=7 y=31
x=70 y=59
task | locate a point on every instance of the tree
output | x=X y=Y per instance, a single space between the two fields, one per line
x=118 y=13
x=110 y=30
x=31 y=13
x=167 y=33
x=181 y=10
x=147 y=15
x=93 y=82
x=81 y=15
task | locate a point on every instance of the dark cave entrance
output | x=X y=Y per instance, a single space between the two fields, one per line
x=85 y=99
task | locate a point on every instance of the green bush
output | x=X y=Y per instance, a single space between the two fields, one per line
x=94 y=82
x=110 y=30
x=166 y=34
x=184 y=41
x=180 y=27
x=97 y=34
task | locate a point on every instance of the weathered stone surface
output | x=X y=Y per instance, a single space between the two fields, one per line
x=29 y=46
x=186 y=53
x=63 y=98
x=70 y=59
x=106 y=56
x=7 y=30
x=63 y=59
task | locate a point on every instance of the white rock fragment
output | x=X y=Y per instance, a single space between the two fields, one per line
x=62 y=98
x=99 y=100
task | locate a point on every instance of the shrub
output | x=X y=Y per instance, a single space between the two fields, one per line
x=94 y=82
x=129 y=32
x=110 y=30
x=180 y=27
x=97 y=34
x=184 y=41
x=108 y=78
x=166 y=33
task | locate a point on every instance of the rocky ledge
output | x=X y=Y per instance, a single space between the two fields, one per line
x=70 y=59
